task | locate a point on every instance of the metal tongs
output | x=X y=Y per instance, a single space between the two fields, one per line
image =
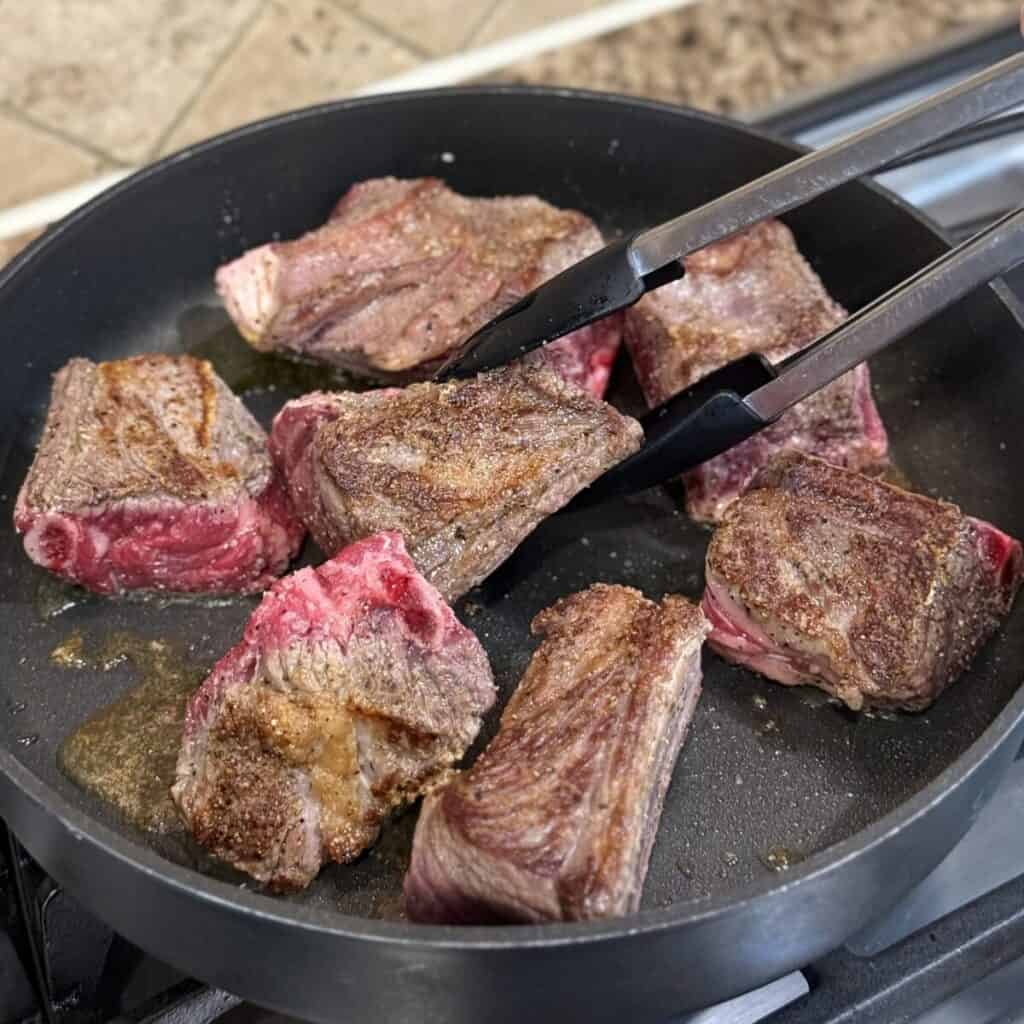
x=744 y=396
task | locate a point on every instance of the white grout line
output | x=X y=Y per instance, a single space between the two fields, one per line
x=449 y=71
x=487 y=59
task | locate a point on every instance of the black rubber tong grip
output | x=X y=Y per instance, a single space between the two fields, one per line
x=596 y=286
x=688 y=429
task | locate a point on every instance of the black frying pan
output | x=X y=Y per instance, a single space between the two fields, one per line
x=871 y=804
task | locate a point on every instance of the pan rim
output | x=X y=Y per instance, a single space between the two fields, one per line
x=139 y=857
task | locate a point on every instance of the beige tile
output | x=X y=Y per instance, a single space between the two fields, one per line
x=114 y=73
x=297 y=53
x=33 y=162
x=514 y=16
x=10 y=247
x=435 y=26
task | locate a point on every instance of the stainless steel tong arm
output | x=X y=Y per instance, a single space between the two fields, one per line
x=616 y=276
x=988 y=254
x=988 y=92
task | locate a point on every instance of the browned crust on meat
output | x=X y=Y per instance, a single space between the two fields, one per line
x=463 y=470
x=254 y=809
x=152 y=426
x=884 y=587
x=565 y=800
x=306 y=736
x=753 y=292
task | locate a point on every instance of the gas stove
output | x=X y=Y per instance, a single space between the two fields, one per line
x=952 y=952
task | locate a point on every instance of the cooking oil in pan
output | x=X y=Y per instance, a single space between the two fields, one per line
x=126 y=753
x=895 y=476
x=244 y=369
x=70 y=652
x=781 y=858
x=393 y=847
x=54 y=597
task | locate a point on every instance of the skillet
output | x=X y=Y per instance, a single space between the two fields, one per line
x=859 y=808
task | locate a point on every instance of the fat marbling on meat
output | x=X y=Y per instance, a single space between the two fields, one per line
x=876 y=595
x=557 y=817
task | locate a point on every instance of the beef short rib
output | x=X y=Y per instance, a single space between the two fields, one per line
x=876 y=595
x=404 y=271
x=753 y=292
x=152 y=475
x=353 y=689
x=463 y=470
x=557 y=818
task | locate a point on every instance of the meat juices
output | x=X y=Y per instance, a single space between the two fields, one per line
x=878 y=596
x=353 y=689
x=463 y=470
x=152 y=475
x=404 y=271
x=753 y=292
x=556 y=819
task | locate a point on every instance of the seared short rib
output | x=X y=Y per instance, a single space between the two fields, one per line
x=404 y=271
x=753 y=292
x=152 y=475
x=353 y=689
x=876 y=595
x=464 y=470
x=557 y=818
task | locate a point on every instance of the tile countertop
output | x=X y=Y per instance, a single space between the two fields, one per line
x=739 y=56
x=72 y=107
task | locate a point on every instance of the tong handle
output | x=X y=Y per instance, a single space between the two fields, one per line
x=988 y=254
x=599 y=284
x=982 y=95
x=689 y=428
x=616 y=276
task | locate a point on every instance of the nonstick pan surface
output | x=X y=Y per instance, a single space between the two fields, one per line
x=858 y=807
